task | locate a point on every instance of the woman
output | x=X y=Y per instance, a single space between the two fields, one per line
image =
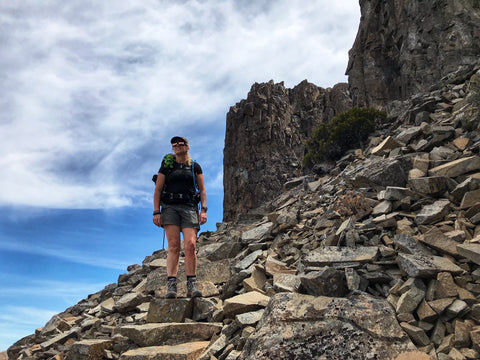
x=175 y=189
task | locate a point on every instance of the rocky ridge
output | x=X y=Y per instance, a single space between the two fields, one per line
x=377 y=257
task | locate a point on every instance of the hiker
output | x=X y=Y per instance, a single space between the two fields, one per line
x=175 y=190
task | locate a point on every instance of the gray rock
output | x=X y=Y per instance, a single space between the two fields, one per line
x=426 y=266
x=168 y=310
x=326 y=282
x=307 y=327
x=336 y=255
x=470 y=251
x=169 y=333
x=431 y=214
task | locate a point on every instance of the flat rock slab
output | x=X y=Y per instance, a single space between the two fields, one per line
x=308 y=327
x=187 y=351
x=333 y=255
x=470 y=251
x=170 y=333
x=250 y=301
x=457 y=167
x=426 y=266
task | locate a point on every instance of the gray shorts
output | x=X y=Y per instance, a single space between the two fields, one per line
x=185 y=216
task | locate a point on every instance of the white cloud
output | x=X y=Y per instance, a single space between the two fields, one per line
x=93 y=90
x=65 y=252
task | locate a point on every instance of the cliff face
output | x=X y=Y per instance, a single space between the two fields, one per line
x=265 y=139
x=403 y=47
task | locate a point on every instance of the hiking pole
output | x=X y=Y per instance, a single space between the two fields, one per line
x=163 y=245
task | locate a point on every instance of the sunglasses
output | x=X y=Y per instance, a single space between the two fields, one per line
x=178 y=144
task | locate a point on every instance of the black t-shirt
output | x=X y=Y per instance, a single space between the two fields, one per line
x=180 y=178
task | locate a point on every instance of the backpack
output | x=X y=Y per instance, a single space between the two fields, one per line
x=168 y=160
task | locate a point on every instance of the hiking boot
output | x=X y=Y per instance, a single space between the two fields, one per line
x=192 y=290
x=171 y=288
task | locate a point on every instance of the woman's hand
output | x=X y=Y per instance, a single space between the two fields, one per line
x=157 y=220
x=202 y=217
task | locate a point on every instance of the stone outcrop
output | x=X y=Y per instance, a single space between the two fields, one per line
x=404 y=47
x=265 y=139
x=340 y=266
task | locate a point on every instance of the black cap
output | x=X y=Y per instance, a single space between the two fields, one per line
x=178 y=139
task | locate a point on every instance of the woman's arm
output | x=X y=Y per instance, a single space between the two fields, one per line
x=157 y=219
x=203 y=198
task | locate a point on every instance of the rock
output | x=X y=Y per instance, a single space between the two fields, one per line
x=286 y=282
x=411 y=355
x=273 y=266
x=168 y=310
x=336 y=255
x=169 y=333
x=326 y=282
x=409 y=301
x=426 y=266
x=417 y=335
x=239 y=304
x=249 y=319
x=256 y=281
x=433 y=185
x=431 y=214
x=306 y=327
x=248 y=260
x=380 y=173
x=89 y=349
x=190 y=350
x=257 y=233
x=470 y=199
x=470 y=251
x=438 y=241
x=385 y=146
x=457 y=167
x=129 y=302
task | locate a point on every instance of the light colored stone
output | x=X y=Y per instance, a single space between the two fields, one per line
x=426 y=266
x=431 y=214
x=457 y=167
x=286 y=282
x=417 y=335
x=470 y=252
x=470 y=198
x=413 y=355
x=169 y=333
x=337 y=255
x=186 y=351
x=92 y=349
x=388 y=144
x=435 y=239
x=247 y=302
x=258 y=233
x=273 y=266
x=409 y=301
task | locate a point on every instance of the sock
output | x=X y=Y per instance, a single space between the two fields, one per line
x=192 y=278
x=171 y=278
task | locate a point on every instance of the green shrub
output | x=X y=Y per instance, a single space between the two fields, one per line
x=345 y=131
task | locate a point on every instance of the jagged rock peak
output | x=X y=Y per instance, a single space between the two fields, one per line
x=265 y=139
x=403 y=47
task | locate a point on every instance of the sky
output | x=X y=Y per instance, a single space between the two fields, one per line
x=91 y=93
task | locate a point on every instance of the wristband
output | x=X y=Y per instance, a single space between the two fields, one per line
x=204 y=208
x=158 y=212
